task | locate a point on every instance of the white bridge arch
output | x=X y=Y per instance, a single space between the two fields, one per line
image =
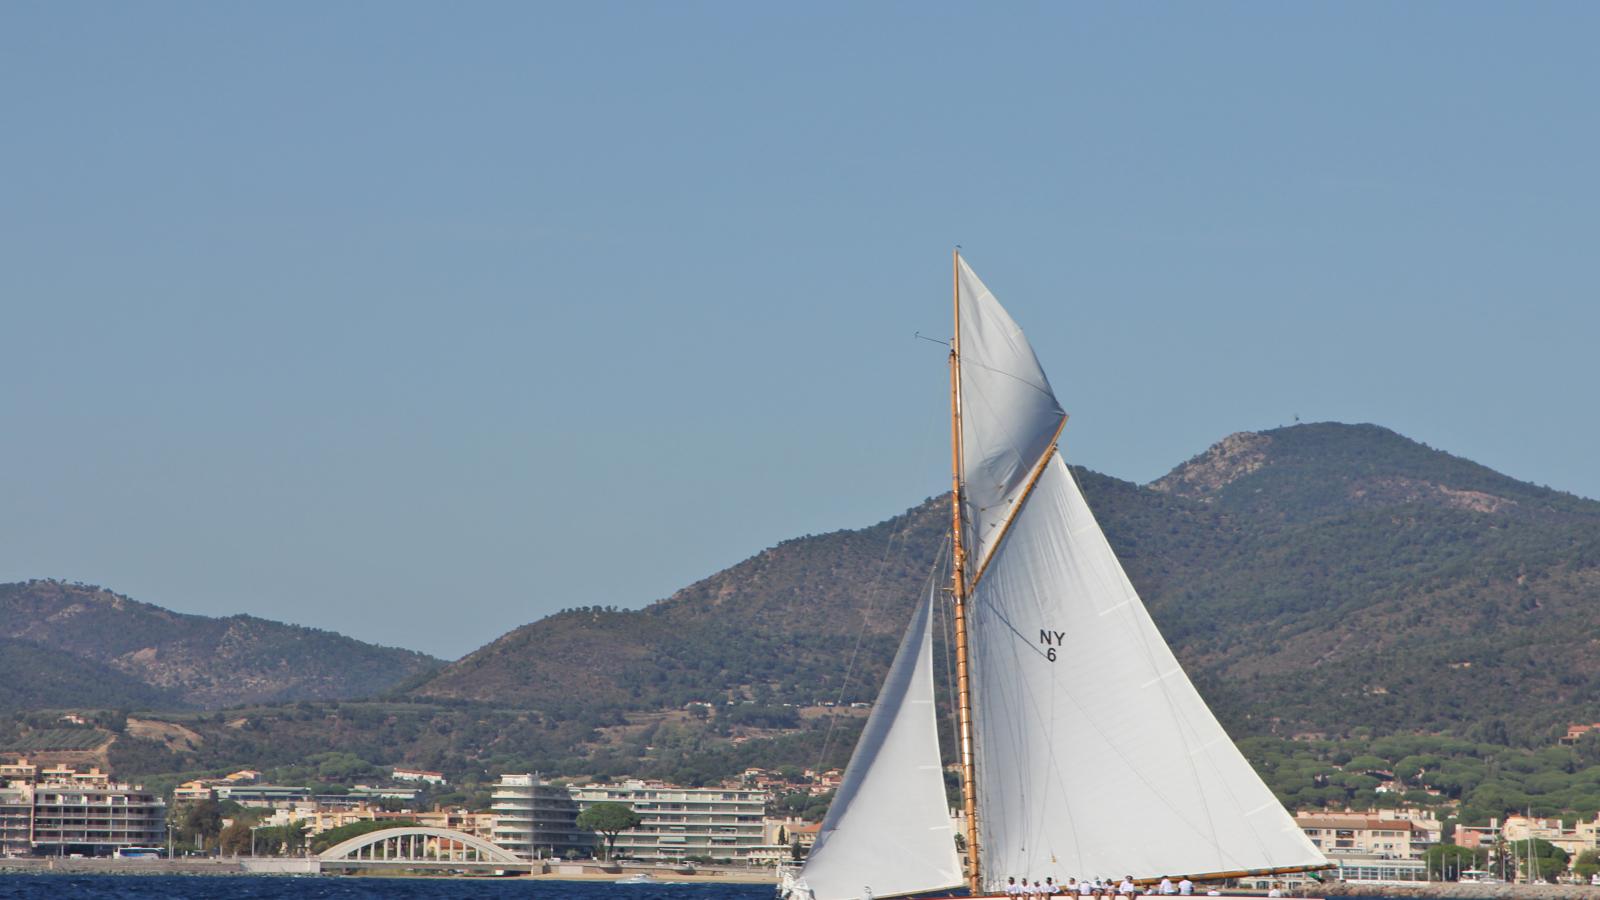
x=417 y=843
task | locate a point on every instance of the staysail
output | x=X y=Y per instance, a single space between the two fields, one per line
x=1096 y=756
x=888 y=830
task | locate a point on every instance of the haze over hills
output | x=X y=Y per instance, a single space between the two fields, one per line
x=1319 y=578
x=1316 y=577
x=79 y=645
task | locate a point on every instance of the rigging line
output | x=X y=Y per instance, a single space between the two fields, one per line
x=866 y=617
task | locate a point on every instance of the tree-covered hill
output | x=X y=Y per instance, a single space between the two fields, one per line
x=1313 y=578
x=1374 y=581
x=183 y=660
x=35 y=677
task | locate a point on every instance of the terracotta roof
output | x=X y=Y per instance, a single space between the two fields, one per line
x=1358 y=823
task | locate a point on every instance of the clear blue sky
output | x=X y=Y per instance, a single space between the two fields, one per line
x=419 y=321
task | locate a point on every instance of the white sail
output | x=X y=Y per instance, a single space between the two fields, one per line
x=887 y=829
x=1096 y=756
x=1009 y=415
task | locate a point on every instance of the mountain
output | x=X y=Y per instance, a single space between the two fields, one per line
x=110 y=646
x=35 y=677
x=1372 y=580
x=1313 y=578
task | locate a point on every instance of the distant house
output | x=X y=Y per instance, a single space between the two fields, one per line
x=805 y=835
x=418 y=775
x=191 y=791
x=1576 y=732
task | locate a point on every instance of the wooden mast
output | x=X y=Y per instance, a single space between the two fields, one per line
x=958 y=585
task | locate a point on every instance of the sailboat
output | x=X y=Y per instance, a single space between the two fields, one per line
x=1084 y=749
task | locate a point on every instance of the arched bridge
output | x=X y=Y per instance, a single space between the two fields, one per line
x=418 y=846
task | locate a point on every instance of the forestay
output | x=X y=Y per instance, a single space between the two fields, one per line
x=1096 y=756
x=887 y=829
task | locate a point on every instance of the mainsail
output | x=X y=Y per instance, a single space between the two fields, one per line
x=887 y=829
x=1095 y=754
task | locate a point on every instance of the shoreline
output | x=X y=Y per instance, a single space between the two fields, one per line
x=236 y=867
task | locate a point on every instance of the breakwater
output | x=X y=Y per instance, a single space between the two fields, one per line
x=66 y=865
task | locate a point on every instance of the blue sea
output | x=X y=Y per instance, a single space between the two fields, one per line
x=245 y=887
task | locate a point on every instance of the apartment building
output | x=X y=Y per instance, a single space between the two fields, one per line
x=537 y=820
x=1384 y=834
x=718 y=823
x=16 y=819
x=1582 y=836
x=263 y=796
x=95 y=817
x=60 y=810
x=1377 y=845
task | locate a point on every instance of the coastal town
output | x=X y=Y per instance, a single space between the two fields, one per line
x=56 y=811
x=800 y=451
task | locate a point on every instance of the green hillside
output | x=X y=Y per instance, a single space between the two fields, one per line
x=189 y=660
x=35 y=677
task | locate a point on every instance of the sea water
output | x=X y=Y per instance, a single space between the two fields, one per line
x=247 y=887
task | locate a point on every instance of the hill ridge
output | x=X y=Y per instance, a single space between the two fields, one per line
x=198 y=660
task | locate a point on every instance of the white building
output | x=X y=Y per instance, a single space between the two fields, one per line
x=715 y=823
x=418 y=775
x=537 y=820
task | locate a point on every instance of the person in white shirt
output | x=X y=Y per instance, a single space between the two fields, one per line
x=1012 y=890
x=1186 y=887
x=1126 y=888
x=1085 y=888
x=1167 y=886
x=1274 y=892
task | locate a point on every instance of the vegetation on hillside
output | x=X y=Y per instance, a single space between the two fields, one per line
x=34 y=677
x=182 y=660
